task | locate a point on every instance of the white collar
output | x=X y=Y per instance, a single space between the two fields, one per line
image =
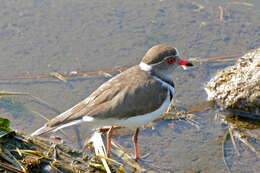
x=145 y=67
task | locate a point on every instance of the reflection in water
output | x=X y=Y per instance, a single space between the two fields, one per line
x=241 y=128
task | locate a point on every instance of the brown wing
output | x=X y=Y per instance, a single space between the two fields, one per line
x=144 y=95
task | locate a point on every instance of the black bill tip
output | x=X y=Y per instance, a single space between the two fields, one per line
x=189 y=64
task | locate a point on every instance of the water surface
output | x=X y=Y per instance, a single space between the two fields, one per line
x=39 y=37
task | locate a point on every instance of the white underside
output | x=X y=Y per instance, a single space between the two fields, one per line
x=136 y=121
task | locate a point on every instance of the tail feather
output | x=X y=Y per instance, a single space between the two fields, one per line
x=45 y=129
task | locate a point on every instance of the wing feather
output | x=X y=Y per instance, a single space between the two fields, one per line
x=122 y=96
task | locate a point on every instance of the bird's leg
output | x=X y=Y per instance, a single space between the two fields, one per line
x=109 y=137
x=135 y=144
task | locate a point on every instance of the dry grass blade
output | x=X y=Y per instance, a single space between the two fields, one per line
x=45 y=145
x=100 y=149
x=193 y=123
x=217 y=58
x=15 y=160
x=226 y=60
x=111 y=160
x=40 y=115
x=10 y=168
x=233 y=141
x=66 y=74
x=6 y=157
x=120 y=152
x=221 y=14
x=21 y=153
x=241 y=3
x=6 y=93
x=225 y=138
x=53 y=166
x=251 y=147
x=32 y=152
x=199 y=7
x=66 y=165
x=97 y=166
x=52 y=151
x=58 y=76
x=107 y=75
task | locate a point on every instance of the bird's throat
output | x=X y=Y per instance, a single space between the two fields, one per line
x=164 y=77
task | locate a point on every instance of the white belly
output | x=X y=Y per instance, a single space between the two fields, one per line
x=136 y=121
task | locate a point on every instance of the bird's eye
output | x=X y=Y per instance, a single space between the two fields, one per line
x=171 y=60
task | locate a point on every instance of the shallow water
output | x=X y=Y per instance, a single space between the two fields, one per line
x=39 y=37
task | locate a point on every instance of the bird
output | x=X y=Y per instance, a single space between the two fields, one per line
x=130 y=99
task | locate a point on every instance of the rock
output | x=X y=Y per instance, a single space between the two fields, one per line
x=238 y=86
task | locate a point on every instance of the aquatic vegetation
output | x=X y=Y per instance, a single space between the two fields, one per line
x=21 y=153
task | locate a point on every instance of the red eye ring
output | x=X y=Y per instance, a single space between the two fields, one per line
x=171 y=60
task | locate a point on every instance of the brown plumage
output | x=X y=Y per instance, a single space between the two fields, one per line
x=158 y=53
x=108 y=100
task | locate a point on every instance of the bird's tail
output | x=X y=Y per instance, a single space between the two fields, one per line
x=43 y=130
x=46 y=129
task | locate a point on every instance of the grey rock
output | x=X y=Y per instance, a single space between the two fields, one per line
x=238 y=86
